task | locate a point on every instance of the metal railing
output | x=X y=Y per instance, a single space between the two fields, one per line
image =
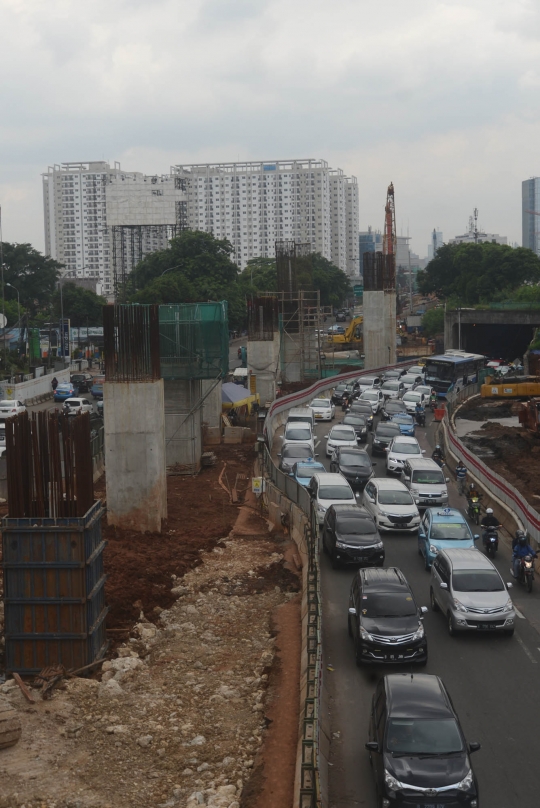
x=97 y=443
x=457 y=397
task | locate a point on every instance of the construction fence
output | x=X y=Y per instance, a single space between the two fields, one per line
x=194 y=341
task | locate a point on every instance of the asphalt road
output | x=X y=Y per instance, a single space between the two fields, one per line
x=492 y=680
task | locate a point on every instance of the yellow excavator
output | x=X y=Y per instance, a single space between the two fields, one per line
x=352 y=338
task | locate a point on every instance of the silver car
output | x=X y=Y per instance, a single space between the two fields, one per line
x=468 y=589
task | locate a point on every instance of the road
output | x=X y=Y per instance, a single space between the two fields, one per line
x=492 y=680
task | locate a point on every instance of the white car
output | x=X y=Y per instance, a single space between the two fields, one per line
x=401 y=449
x=411 y=381
x=340 y=436
x=393 y=388
x=391 y=505
x=369 y=383
x=417 y=370
x=411 y=399
x=299 y=432
x=425 y=389
x=9 y=408
x=74 y=406
x=373 y=397
x=329 y=489
x=323 y=409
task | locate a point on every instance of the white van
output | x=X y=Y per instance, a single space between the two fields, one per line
x=426 y=482
x=301 y=414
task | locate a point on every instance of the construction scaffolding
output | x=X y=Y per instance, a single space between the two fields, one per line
x=131 y=243
x=379 y=272
x=194 y=341
x=294 y=264
x=131 y=343
x=263 y=317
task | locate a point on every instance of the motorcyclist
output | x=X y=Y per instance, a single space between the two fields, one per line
x=461 y=476
x=420 y=413
x=515 y=540
x=345 y=402
x=489 y=520
x=473 y=492
x=522 y=549
x=433 y=399
x=438 y=455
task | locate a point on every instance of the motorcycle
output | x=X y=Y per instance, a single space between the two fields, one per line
x=433 y=403
x=526 y=571
x=440 y=461
x=490 y=540
x=420 y=418
x=474 y=509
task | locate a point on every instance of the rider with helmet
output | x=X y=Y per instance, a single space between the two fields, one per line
x=438 y=455
x=515 y=540
x=489 y=520
x=522 y=549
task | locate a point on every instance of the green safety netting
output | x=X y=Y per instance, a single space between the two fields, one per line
x=194 y=340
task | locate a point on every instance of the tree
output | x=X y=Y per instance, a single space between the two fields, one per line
x=32 y=274
x=478 y=273
x=433 y=322
x=527 y=294
x=81 y=306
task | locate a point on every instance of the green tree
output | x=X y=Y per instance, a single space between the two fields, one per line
x=170 y=288
x=433 y=322
x=81 y=306
x=527 y=294
x=34 y=276
x=478 y=273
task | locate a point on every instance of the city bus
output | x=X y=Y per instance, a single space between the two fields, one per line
x=453 y=369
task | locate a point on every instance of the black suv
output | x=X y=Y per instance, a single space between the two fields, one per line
x=383 y=436
x=82 y=382
x=341 y=317
x=350 y=536
x=354 y=464
x=384 y=620
x=351 y=388
x=418 y=753
x=362 y=408
x=360 y=424
x=391 y=407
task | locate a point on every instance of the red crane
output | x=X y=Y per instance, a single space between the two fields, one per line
x=389 y=238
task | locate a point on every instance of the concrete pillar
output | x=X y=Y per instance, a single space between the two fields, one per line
x=135 y=455
x=211 y=408
x=390 y=326
x=379 y=329
x=263 y=363
x=183 y=424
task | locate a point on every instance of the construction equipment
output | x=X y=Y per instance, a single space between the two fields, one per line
x=352 y=338
x=390 y=238
x=529 y=414
x=513 y=387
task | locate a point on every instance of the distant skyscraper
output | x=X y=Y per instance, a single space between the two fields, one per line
x=530 y=201
x=435 y=243
x=369 y=241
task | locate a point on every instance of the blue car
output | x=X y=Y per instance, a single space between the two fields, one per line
x=405 y=422
x=303 y=471
x=440 y=529
x=63 y=391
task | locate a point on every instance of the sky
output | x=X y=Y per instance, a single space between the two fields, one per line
x=440 y=98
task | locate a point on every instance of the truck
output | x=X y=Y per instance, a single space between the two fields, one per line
x=414 y=321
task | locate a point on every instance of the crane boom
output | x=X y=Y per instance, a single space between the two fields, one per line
x=389 y=238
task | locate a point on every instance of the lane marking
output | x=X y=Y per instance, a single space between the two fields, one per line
x=520 y=641
x=522 y=616
x=318 y=442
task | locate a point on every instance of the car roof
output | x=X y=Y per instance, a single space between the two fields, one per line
x=383 y=579
x=330 y=478
x=418 y=695
x=388 y=484
x=294 y=444
x=351 y=510
x=406 y=439
x=471 y=559
x=386 y=424
x=423 y=463
x=354 y=450
x=342 y=426
x=402 y=415
x=439 y=516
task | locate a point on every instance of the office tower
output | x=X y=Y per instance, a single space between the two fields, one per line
x=530 y=208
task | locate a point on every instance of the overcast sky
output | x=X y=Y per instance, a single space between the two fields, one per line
x=442 y=98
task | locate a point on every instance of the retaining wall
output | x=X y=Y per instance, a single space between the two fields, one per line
x=24 y=391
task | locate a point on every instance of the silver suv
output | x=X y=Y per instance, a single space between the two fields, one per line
x=426 y=481
x=467 y=588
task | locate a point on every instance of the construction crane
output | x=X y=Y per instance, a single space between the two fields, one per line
x=389 y=238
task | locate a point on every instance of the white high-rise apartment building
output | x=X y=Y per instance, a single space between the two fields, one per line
x=257 y=203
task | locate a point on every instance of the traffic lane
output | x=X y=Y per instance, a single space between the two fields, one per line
x=486 y=676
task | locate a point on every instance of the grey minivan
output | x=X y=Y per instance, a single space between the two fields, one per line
x=468 y=589
x=426 y=481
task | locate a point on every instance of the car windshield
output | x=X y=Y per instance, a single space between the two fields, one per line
x=477 y=581
x=350 y=459
x=361 y=406
x=395 y=406
x=395 y=497
x=343 y=434
x=354 y=420
x=412 y=397
x=72 y=402
x=387 y=431
x=406 y=448
x=321 y=403
x=350 y=526
x=388 y=604
x=298 y=434
x=297 y=451
x=367 y=381
x=341 y=388
x=450 y=530
x=390 y=386
x=370 y=395
x=335 y=492
x=428 y=477
x=416 y=370
x=431 y=736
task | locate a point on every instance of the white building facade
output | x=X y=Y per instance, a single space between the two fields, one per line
x=255 y=204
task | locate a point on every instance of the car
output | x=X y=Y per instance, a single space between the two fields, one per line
x=413 y=397
x=82 y=382
x=323 y=409
x=301 y=414
x=417 y=370
x=405 y=422
x=359 y=422
x=303 y=471
x=399 y=450
x=369 y=383
x=393 y=374
x=393 y=388
x=411 y=381
x=442 y=528
x=341 y=317
x=329 y=489
x=375 y=398
x=75 y=406
x=336 y=329
x=293 y=452
x=425 y=389
x=299 y=431
x=99 y=407
x=425 y=480
x=340 y=436
x=9 y=407
x=350 y=536
x=338 y=392
x=354 y=464
x=383 y=436
x=360 y=407
x=383 y=619
x=392 y=406
x=391 y=505
x=468 y=589
x=417 y=749
x=64 y=390
x=97 y=387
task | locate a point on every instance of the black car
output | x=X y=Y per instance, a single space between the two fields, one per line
x=339 y=391
x=362 y=408
x=360 y=424
x=350 y=536
x=384 y=620
x=393 y=375
x=82 y=382
x=341 y=317
x=382 y=437
x=291 y=453
x=354 y=464
x=391 y=407
x=418 y=752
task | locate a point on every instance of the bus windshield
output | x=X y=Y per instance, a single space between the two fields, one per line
x=440 y=370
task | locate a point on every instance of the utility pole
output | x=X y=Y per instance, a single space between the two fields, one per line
x=410 y=283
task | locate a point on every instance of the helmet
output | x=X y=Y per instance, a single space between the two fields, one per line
x=438 y=446
x=489 y=510
x=519 y=534
x=522 y=540
x=471 y=487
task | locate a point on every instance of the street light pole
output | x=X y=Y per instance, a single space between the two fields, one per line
x=62 y=348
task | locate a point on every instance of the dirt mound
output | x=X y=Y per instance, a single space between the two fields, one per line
x=482 y=410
